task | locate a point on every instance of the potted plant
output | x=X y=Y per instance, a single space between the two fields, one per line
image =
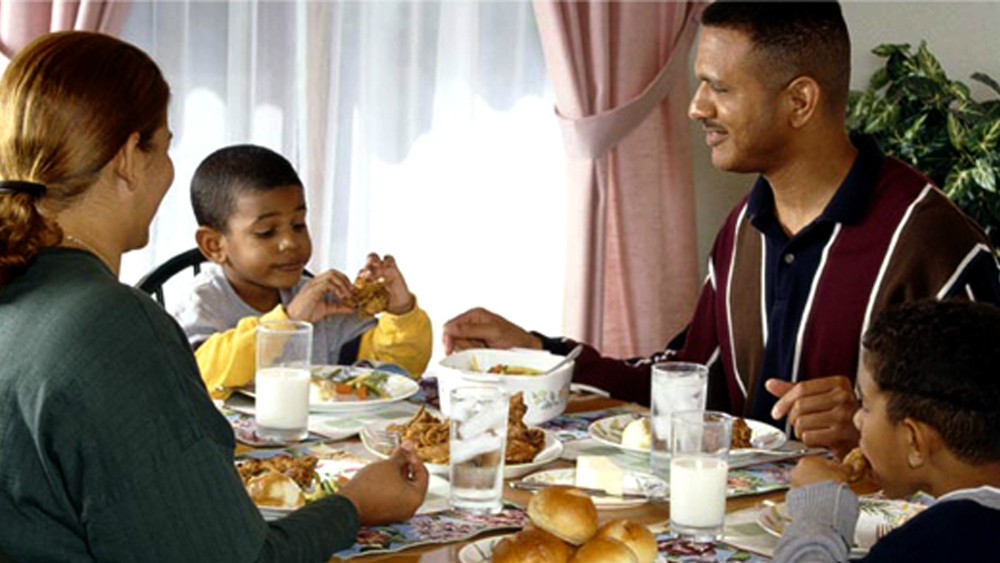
x=919 y=115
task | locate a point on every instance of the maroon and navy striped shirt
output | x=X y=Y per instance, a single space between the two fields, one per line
x=796 y=307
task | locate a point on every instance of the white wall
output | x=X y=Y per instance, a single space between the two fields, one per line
x=963 y=35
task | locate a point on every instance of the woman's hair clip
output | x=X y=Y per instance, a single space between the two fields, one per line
x=22 y=187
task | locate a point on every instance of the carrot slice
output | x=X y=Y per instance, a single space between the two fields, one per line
x=362 y=392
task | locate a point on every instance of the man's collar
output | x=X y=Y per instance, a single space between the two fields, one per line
x=848 y=204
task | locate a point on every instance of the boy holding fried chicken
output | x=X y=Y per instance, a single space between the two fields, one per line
x=929 y=388
x=251 y=211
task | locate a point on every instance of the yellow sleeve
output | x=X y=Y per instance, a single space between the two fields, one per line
x=226 y=359
x=404 y=340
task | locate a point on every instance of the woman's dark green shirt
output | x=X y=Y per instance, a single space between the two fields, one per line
x=110 y=448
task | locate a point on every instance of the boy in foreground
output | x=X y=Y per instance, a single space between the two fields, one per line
x=929 y=387
x=251 y=212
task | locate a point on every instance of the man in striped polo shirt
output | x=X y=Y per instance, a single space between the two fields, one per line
x=831 y=233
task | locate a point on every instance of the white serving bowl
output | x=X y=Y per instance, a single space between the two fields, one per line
x=545 y=395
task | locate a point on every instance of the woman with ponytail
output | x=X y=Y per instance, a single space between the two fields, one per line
x=110 y=448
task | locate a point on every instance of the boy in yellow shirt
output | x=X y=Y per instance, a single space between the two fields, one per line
x=251 y=212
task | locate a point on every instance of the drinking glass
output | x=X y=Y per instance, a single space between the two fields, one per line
x=477 y=441
x=676 y=386
x=284 y=352
x=698 y=468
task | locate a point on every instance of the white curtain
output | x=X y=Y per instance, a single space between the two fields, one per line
x=420 y=129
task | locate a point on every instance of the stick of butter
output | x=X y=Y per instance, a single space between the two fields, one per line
x=599 y=472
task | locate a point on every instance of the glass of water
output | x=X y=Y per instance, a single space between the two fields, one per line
x=477 y=441
x=698 y=474
x=676 y=386
x=284 y=352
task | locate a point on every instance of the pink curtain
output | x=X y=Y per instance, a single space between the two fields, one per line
x=620 y=75
x=21 y=20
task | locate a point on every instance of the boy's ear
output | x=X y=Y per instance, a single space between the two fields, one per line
x=923 y=442
x=212 y=244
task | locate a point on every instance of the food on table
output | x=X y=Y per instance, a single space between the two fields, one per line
x=568 y=516
x=532 y=545
x=637 y=434
x=564 y=512
x=857 y=465
x=503 y=369
x=289 y=482
x=301 y=469
x=741 y=434
x=370 y=296
x=604 y=550
x=368 y=385
x=271 y=488
x=430 y=434
x=635 y=536
x=599 y=472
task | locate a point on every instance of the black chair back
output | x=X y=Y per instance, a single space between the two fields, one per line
x=152 y=283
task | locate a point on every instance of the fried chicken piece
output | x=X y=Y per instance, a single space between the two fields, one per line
x=857 y=465
x=437 y=453
x=741 y=434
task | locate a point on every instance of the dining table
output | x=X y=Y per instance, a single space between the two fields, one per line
x=654 y=514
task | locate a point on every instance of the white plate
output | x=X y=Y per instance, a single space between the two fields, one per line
x=480 y=551
x=550 y=452
x=634 y=483
x=608 y=431
x=399 y=387
x=774 y=517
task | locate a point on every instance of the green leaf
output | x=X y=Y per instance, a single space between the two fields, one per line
x=984 y=175
x=928 y=63
x=956 y=131
x=989 y=135
x=879 y=79
x=987 y=80
x=887 y=49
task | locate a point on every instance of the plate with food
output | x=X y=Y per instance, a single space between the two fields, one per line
x=527 y=448
x=631 y=433
x=347 y=389
x=877 y=516
x=282 y=483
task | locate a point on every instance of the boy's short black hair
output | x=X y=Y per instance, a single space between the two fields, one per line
x=796 y=39
x=939 y=362
x=228 y=171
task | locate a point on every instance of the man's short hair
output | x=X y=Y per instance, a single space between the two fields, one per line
x=939 y=362
x=795 y=38
x=229 y=171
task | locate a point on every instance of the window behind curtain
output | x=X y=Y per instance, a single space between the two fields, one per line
x=424 y=130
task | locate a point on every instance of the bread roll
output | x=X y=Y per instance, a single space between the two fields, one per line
x=565 y=513
x=272 y=488
x=532 y=545
x=604 y=550
x=635 y=536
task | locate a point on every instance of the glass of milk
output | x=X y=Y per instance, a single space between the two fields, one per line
x=699 y=452
x=477 y=442
x=676 y=386
x=284 y=353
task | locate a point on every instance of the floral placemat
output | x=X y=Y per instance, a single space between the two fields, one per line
x=674 y=550
x=439 y=527
x=245 y=430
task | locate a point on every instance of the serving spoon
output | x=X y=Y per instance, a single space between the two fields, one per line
x=569 y=358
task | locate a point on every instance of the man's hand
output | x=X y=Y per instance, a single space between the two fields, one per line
x=820 y=410
x=479 y=328
x=391 y=490
x=400 y=299
x=321 y=296
x=815 y=469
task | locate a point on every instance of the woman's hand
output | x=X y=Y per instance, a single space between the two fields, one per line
x=391 y=490
x=479 y=328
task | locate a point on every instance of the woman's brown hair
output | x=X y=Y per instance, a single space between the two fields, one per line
x=68 y=103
